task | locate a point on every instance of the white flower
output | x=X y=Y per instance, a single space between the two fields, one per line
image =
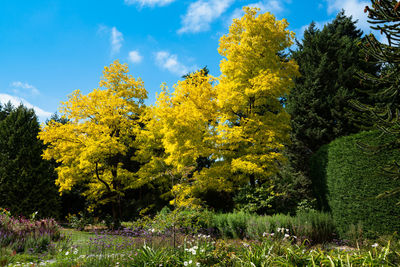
x=197 y=264
x=375 y=245
x=265 y=234
x=75 y=251
x=66 y=253
x=272 y=234
x=186 y=263
x=190 y=262
x=286 y=235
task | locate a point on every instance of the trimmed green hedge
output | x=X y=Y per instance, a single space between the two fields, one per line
x=347 y=180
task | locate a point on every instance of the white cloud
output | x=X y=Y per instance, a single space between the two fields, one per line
x=135 y=57
x=150 y=3
x=116 y=40
x=170 y=62
x=354 y=8
x=25 y=87
x=201 y=14
x=16 y=101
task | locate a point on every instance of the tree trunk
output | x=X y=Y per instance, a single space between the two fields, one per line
x=116 y=211
x=252 y=181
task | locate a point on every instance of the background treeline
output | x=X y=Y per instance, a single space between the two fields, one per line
x=225 y=143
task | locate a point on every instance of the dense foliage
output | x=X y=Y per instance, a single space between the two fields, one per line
x=26 y=180
x=385 y=18
x=329 y=60
x=96 y=143
x=347 y=180
x=221 y=136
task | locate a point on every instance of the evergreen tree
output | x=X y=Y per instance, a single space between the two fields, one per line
x=384 y=15
x=318 y=104
x=26 y=180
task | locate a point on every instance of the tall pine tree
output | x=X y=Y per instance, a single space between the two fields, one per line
x=318 y=104
x=26 y=180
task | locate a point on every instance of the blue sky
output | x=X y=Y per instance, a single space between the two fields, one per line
x=49 y=48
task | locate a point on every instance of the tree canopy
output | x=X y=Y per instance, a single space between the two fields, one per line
x=231 y=130
x=93 y=144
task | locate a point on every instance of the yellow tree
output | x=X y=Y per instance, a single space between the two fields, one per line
x=255 y=74
x=96 y=143
x=236 y=122
x=186 y=122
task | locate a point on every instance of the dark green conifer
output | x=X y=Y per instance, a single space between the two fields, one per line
x=318 y=104
x=26 y=180
x=384 y=15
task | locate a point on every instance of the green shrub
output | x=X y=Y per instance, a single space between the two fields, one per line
x=231 y=225
x=348 y=179
x=257 y=199
x=317 y=227
x=183 y=220
x=79 y=221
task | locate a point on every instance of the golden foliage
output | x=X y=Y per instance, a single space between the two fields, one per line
x=236 y=121
x=99 y=131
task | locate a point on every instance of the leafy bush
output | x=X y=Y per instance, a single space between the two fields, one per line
x=347 y=180
x=255 y=199
x=79 y=221
x=182 y=220
x=317 y=227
